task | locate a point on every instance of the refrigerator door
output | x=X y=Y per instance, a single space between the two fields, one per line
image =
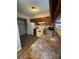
x=32 y=27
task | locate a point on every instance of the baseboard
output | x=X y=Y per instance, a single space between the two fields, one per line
x=18 y=49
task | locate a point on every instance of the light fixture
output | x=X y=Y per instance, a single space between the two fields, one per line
x=34 y=9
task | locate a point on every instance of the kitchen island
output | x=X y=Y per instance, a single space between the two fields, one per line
x=46 y=47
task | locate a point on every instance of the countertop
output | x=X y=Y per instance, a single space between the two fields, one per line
x=58 y=31
x=46 y=47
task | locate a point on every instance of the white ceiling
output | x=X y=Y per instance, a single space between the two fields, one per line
x=24 y=6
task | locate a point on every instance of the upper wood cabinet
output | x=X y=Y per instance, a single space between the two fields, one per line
x=55 y=9
x=47 y=20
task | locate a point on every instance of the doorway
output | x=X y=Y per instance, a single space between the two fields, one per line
x=22 y=26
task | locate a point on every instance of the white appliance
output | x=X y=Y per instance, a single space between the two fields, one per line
x=32 y=27
x=39 y=32
x=40 y=29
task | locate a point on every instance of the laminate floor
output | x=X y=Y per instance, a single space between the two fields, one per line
x=46 y=47
x=26 y=42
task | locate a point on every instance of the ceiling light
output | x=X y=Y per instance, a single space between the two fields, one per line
x=34 y=9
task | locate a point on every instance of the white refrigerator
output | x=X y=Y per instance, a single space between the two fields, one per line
x=32 y=27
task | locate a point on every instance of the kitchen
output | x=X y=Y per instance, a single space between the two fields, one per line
x=46 y=27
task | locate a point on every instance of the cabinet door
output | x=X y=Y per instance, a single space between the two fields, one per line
x=47 y=20
x=37 y=20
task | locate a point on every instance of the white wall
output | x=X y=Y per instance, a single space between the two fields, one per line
x=18 y=40
x=42 y=15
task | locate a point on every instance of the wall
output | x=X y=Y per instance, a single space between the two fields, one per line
x=41 y=15
x=18 y=40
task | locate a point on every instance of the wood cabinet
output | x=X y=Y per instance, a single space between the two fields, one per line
x=47 y=20
x=55 y=8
